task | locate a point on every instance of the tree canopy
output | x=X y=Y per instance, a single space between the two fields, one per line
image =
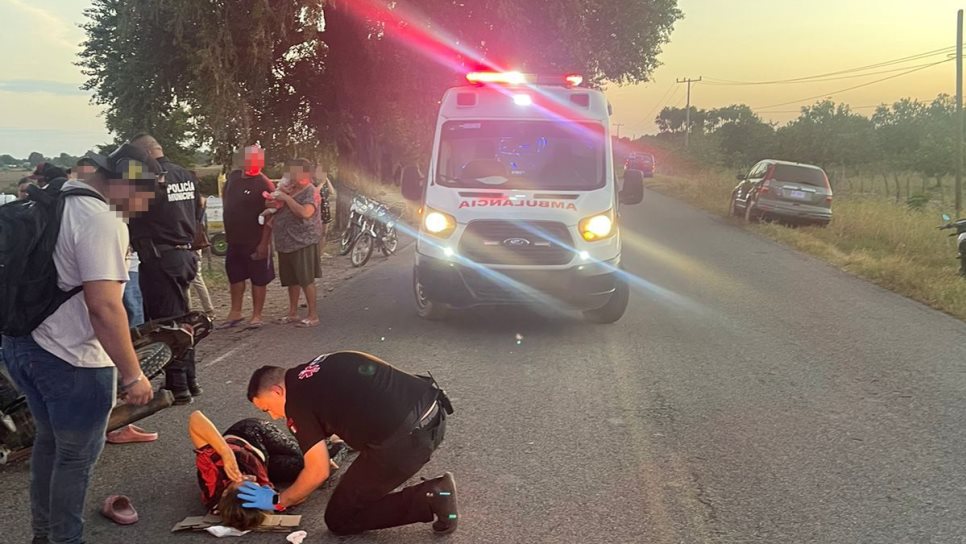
x=357 y=78
x=907 y=135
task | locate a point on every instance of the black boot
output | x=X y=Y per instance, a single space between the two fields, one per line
x=194 y=388
x=181 y=397
x=190 y=367
x=442 y=501
x=176 y=382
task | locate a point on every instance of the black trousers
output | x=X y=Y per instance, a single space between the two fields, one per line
x=365 y=497
x=284 y=458
x=164 y=284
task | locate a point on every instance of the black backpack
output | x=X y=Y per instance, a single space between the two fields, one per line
x=29 y=228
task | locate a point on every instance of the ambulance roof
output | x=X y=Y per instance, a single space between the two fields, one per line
x=534 y=102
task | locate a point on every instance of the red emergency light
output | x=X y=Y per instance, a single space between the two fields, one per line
x=574 y=80
x=509 y=78
x=514 y=78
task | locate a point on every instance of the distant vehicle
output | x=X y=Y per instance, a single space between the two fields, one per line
x=783 y=190
x=214 y=211
x=960 y=226
x=641 y=161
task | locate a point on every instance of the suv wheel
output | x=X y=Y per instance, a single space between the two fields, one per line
x=751 y=214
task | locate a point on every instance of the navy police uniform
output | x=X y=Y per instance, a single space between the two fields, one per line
x=163 y=237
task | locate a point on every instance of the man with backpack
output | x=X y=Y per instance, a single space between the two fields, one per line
x=163 y=238
x=65 y=329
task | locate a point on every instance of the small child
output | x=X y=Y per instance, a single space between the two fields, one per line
x=285 y=185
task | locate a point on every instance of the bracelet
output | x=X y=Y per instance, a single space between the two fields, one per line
x=125 y=387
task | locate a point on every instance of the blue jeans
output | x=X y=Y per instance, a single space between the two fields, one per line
x=70 y=407
x=133 y=302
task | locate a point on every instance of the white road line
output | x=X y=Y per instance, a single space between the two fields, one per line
x=222 y=357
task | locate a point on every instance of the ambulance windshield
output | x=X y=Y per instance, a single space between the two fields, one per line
x=522 y=155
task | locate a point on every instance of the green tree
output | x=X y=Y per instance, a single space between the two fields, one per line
x=673 y=120
x=361 y=78
x=828 y=134
x=8 y=160
x=742 y=136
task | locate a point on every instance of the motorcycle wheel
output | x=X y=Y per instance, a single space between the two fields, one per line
x=153 y=358
x=362 y=249
x=17 y=425
x=389 y=241
x=346 y=240
x=219 y=245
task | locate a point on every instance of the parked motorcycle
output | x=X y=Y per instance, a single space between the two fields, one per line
x=357 y=212
x=156 y=343
x=378 y=229
x=960 y=226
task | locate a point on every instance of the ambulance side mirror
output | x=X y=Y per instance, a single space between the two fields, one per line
x=412 y=183
x=633 y=190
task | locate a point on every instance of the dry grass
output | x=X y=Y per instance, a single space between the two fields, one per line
x=871 y=237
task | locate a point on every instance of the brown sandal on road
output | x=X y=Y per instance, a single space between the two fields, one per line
x=306 y=323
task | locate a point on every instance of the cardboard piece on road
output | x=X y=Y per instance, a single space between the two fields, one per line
x=272 y=524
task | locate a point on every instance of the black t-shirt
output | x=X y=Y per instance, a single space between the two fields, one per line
x=243 y=202
x=173 y=215
x=360 y=398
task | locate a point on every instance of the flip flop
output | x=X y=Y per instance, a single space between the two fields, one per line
x=130 y=434
x=306 y=323
x=286 y=320
x=230 y=324
x=119 y=509
x=254 y=325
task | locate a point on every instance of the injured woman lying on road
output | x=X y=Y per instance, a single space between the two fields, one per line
x=251 y=449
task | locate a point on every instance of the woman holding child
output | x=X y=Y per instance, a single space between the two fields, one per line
x=296 y=231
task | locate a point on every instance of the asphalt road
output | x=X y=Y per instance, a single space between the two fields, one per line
x=751 y=394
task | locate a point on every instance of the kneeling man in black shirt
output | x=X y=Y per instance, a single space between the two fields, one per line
x=395 y=420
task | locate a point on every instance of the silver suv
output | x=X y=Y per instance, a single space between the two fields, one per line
x=783 y=190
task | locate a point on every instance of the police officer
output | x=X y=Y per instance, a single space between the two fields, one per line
x=394 y=419
x=162 y=238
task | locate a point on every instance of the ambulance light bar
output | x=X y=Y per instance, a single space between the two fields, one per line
x=515 y=78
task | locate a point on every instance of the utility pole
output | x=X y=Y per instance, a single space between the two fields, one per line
x=687 y=112
x=618 y=125
x=959 y=113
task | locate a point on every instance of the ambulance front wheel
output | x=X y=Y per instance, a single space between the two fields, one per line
x=615 y=307
x=427 y=308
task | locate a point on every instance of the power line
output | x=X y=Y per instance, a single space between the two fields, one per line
x=866 y=84
x=893 y=70
x=799 y=110
x=663 y=100
x=841 y=72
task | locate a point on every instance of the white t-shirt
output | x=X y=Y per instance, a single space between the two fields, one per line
x=133 y=261
x=91 y=246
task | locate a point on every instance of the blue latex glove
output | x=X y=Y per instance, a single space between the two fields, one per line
x=257 y=497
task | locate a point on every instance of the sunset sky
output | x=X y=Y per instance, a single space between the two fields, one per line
x=42 y=109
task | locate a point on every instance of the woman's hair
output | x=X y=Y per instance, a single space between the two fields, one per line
x=233 y=515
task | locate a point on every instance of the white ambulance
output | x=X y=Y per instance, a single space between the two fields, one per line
x=521 y=202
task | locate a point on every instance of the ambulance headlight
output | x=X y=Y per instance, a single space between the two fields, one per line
x=597 y=227
x=438 y=223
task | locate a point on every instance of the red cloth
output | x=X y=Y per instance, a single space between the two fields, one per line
x=211 y=471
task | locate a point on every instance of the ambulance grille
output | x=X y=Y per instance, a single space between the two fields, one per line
x=522 y=243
